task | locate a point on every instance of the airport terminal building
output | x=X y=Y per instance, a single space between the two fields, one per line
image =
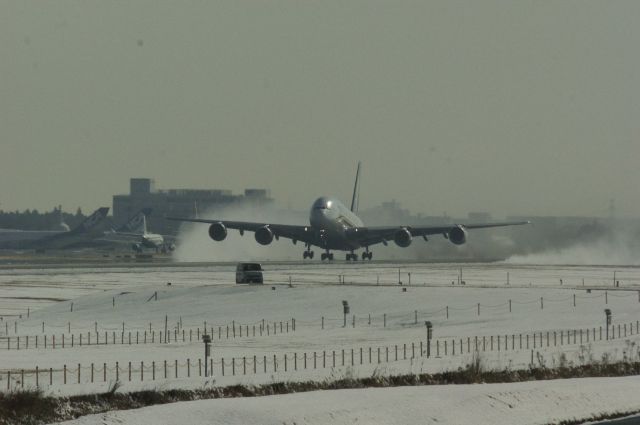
x=179 y=202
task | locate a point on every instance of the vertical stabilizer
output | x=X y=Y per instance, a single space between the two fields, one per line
x=137 y=223
x=355 y=199
x=92 y=221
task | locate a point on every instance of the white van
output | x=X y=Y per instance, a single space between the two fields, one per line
x=249 y=273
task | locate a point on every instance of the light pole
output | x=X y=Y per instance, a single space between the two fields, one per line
x=607 y=313
x=207 y=352
x=429 y=335
x=345 y=310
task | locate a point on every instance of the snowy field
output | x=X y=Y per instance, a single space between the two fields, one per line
x=538 y=402
x=514 y=315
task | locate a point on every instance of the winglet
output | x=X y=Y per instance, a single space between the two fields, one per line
x=356 y=191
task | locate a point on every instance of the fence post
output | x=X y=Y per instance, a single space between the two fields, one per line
x=64 y=372
x=79 y=373
x=129 y=371
x=117 y=372
x=141 y=371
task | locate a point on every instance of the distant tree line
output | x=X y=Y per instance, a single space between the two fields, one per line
x=35 y=220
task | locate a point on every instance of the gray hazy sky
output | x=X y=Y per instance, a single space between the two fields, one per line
x=512 y=107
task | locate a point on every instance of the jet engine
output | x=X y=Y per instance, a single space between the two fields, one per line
x=458 y=235
x=264 y=235
x=136 y=247
x=402 y=237
x=217 y=231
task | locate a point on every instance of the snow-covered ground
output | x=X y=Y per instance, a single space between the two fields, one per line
x=562 y=305
x=538 y=402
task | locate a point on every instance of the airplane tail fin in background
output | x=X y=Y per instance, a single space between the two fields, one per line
x=137 y=223
x=92 y=221
x=355 y=199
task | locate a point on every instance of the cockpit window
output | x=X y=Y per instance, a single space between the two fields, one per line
x=322 y=204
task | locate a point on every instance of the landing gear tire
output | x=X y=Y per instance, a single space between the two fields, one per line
x=352 y=257
x=367 y=256
x=308 y=254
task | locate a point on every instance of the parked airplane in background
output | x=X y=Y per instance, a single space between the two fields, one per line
x=333 y=226
x=135 y=232
x=41 y=240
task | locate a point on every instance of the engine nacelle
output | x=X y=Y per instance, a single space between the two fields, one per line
x=136 y=247
x=402 y=237
x=264 y=235
x=458 y=235
x=217 y=231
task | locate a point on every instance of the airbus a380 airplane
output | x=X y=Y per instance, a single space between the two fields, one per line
x=333 y=226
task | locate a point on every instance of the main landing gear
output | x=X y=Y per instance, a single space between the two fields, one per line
x=366 y=255
x=351 y=256
x=326 y=256
x=307 y=254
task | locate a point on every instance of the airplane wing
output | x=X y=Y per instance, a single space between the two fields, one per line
x=293 y=232
x=373 y=235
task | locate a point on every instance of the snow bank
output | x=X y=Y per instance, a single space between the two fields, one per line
x=518 y=403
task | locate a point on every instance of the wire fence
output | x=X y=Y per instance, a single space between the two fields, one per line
x=233 y=331
x=302 y=361
x=96 y=331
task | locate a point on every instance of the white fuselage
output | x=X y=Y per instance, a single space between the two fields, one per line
x=152 y=240
x=334 y=220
